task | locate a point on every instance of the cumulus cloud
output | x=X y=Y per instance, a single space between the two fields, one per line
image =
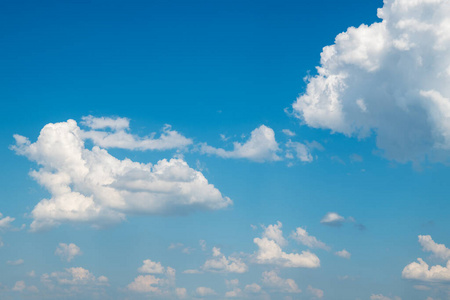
x=438 y=250
x=181 y=293
x=317 y=293
x=302 y=151
x=343 y=253
x=5 y=222
x=333 y=219
x=67 y=251
x=302 y=236
x=119 y=137
x=253 y=288
x=382 y=297
x=15 y=262
x=205 y=291
x=151 y=267
x=270 y=252
x=389 y=78
x=420 y=270
x=260 y=147
x=92 y=186
x=221 y=263
x=272 y=280
x=145 y=284
x=74 y=277
x=274 y=232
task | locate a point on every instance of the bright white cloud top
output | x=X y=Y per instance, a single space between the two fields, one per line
x=391 y=78
x=92 y=186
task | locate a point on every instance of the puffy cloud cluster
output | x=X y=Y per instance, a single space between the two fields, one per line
x=67 y=251
x=272 y=280
x=152 y=284
x=260 y=147
x=270 y=251
x=90 y=185
x=420 y=270
x=221 y=263
x=389 y=78
x=73 y=277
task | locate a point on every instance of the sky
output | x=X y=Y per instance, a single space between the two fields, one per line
x=225 y=149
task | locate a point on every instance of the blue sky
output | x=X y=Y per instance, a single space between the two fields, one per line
x=225 y=149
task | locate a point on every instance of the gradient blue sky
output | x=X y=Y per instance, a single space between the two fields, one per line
x=212 y=68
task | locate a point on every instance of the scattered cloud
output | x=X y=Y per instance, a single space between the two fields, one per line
x=205 y=291
x=302 y=236
x=119 y=137
x=15 y=262
x=260 y=147
x=151 y=267
x=288 y=132
x=382 y=297
x=343 y=253
x=74 y=277
x=151 y=283
x=67 y=251
x=438 y=250
x=221 y=263
x=270 y=252
x=272 y=280
x=316 y=293
x=365 y=84
x=333 y=219
x=94 y=187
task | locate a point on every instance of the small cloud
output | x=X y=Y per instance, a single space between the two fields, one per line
x=343 y=253
x=15 y=262
x=67 y=252
x=205 y=291
x=288 y=132
x=333 y=219
x=356 y=158
x=316 y=293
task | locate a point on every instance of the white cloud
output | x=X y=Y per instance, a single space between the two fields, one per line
x=15 y=262
x=205 y=291
x=302 y=236
x=252 y=288
x=260 y=147
x=119 y=137
x=19 y=286
x=192 y=271
x=270 y=251
x=104 y=122
x=317 y=293
x=221 y=263
x=343 y=253
x=181 y=293
x=145 y=284
x=332 y=219
x=272 y=280
x=5 y=222
x=303 y=153
x=274 y=232
x=421 y=271
x=288 y=132
x=67 y=251
x=93 y=186
x=388 y=78
x=74 y=277
x=382 y=297
x=438 y=250
x=151 y=267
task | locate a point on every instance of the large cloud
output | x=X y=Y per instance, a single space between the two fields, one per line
x=422 y=271
x=95 y=187
x=391 y=78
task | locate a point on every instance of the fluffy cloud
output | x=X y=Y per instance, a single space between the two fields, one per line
x=67 y=251
x=5 y=222
x=438 y=250
x=391 y=78
x=343 y=253
x=145 y=284
x=93 y=186
x=119 y=137
x=274 y=232
x=270 y=251
x=252 y=288
x=272 y=280
x=332 y=219
x=302 y=236
x=421 y=271
x=205 y=291
x=317 y=293
x=74 y=277
x=382 y=297
x=260 y=147
x=151 y=267
x=221 y=263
